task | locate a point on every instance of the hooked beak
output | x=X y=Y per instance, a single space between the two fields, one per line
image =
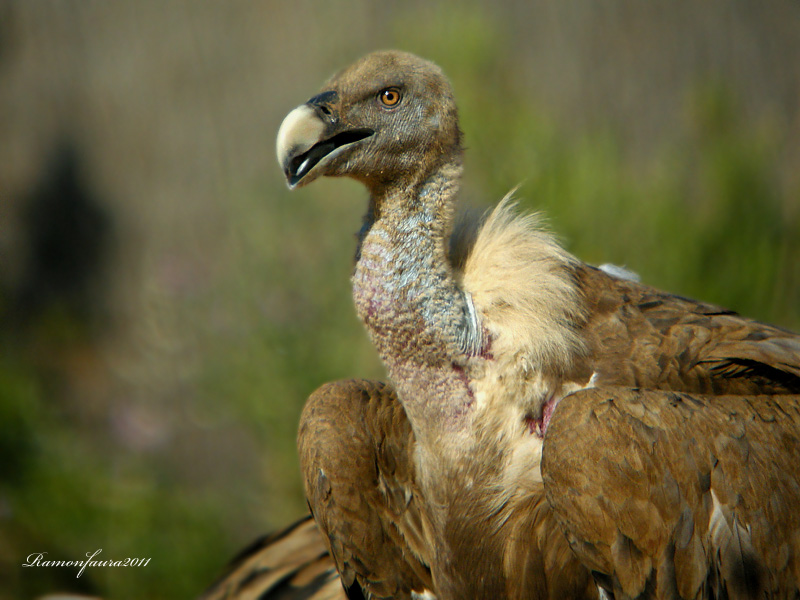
x=311 y=136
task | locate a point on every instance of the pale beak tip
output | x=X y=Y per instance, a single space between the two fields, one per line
x=301 y=129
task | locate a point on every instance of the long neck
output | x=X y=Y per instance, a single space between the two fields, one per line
x=416 y=314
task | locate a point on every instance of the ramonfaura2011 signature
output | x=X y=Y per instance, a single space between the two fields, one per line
x=37 y=559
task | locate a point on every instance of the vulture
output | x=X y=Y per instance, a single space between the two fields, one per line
x=549 y=430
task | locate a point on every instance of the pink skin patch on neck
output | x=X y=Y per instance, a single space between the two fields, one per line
x=538 y=426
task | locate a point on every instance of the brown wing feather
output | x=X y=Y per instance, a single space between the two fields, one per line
x=676 y=495
x=356 y=452
x=292 y=564
x=639 y=336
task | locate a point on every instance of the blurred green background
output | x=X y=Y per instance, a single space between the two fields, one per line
x=166 y=305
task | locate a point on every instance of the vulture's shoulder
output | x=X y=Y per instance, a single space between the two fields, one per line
x=645 y=337
x=357 y=455
x=535 y=300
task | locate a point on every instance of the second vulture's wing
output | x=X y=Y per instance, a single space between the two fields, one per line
x=292 y=564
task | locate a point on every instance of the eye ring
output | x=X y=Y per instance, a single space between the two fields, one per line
x=390 y=97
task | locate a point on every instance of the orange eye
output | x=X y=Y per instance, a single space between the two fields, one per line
x=390 y=97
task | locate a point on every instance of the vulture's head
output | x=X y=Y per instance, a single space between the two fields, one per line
x=388 y=119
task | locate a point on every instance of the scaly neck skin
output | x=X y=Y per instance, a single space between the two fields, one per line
x=414 y=311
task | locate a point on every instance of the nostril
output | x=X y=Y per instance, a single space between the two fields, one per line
x=325 y=110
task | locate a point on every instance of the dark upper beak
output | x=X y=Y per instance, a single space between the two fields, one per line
x=311 y=135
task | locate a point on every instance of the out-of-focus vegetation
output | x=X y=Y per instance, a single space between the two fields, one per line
x=151 y=410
